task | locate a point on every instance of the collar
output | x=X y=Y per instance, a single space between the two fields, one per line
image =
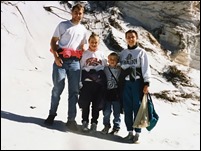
x=133 y=47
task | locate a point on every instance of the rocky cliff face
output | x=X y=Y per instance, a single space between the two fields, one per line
x=30 y=37
x=175 y=24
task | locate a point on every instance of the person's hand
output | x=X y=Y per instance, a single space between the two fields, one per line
x=58 y=61
x=80 y=85
x=146 y=89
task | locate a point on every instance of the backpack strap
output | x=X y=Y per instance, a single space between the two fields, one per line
x=113 y=75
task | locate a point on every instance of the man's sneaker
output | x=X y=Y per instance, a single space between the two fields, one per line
x=72 y=125
x=49 y=120
x=129 y=138
x=114 y=131
x=85 y=126
x=93 y=127
x=136 y=138
x=105 y=129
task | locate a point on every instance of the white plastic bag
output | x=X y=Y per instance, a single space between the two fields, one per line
x=142 y=118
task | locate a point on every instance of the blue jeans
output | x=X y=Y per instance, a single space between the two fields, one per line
x=109 y=106
x=71 y=68
x=131 y=103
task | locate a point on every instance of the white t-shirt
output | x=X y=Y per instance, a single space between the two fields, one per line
x=70 y=35
x=93 y=60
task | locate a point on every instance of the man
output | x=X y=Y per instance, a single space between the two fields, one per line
x=67 y=45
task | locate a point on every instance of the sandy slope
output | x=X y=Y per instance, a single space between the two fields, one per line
x=26 y=89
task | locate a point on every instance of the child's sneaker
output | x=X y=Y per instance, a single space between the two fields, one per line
x=85 y=126
x=93 y=127
x=129 y=137
x=114 y=131
x=105 y=129
x=136 y=138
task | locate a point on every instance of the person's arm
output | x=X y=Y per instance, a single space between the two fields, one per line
x=145 y=72
x=54 y=47
x=83 y=43
x=82 y=47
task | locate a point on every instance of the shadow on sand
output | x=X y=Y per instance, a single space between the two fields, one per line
x=98 y=134
x=60 y=126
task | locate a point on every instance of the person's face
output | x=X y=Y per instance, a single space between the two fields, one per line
x=77 y=15
x=93 y=43
x=131 y=39
x=112 y=60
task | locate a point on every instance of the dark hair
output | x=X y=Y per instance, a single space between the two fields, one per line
x=132 y=31
x=115 y=55
x=93 y=35
x=78 y=6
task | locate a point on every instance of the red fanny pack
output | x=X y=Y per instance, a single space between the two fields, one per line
x=69 y=52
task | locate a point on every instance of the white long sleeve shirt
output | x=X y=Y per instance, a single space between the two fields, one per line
x=93 y=60
x=136 y=58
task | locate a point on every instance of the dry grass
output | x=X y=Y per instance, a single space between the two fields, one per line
x=177 y=77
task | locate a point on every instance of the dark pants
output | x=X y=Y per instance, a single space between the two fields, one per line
x=131 y=102
x=91 y=93
x=112 y=106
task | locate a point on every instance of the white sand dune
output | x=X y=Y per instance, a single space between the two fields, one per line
x=26 y=67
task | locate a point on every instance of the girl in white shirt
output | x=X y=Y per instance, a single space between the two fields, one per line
x=94 y=83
